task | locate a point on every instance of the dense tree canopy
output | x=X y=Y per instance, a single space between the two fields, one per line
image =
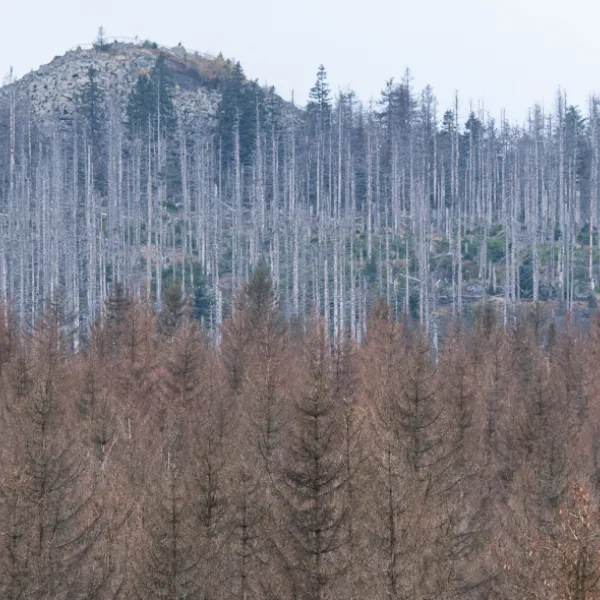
x=324 y=469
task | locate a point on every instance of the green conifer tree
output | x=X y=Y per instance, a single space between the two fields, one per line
x=90 y=105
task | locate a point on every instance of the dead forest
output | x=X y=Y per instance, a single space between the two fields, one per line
x=287 y=463
x=250 y=350
x=110 y=173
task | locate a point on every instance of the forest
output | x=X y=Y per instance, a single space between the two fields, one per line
x=251 y=350
x=347 y=203
x=286 y=463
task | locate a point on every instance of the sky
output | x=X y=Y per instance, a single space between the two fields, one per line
x=506 y=54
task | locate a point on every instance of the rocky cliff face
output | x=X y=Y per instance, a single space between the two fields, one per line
x=51 y=91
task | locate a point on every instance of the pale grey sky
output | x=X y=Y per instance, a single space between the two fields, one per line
x=510 y=53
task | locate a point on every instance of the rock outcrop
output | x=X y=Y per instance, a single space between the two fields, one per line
x=51 y=91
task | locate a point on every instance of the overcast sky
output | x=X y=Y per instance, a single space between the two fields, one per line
x=508 y=53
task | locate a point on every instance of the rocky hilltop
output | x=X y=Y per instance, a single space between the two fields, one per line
x=51 y=91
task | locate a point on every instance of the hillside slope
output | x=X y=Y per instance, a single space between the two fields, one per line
x=170 y=172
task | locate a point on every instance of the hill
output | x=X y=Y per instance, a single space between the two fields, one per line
x=162 y=168
x=52 y=90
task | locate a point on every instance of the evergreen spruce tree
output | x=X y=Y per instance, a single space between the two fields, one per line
x=240 y=103
x=139 y=106
x=203 y=302
x=91 y=108
x=162 y=88
x=318 y=108
x=90 y=104
x=150 y=100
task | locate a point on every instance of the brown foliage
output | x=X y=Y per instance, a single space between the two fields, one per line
x=297 y=466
